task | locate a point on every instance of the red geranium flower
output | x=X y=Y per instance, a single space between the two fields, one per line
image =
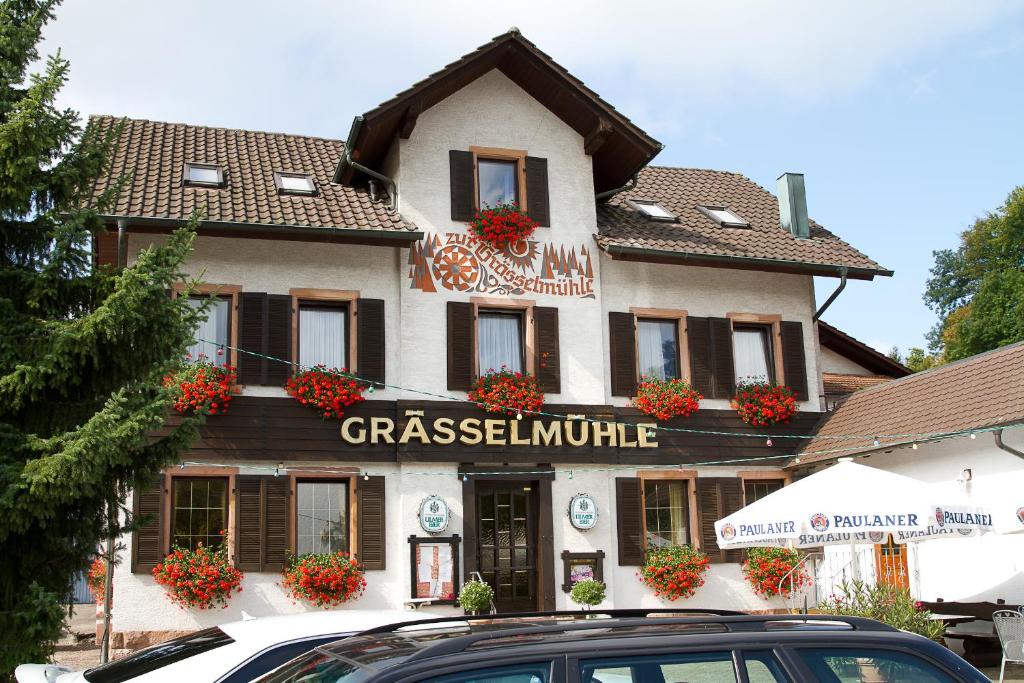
x=329 y=390
x=764 y=403
x=502 y=225
x=666 y=398
x=508 y=392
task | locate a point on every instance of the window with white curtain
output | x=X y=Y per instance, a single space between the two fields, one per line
x=752 y=353
x=213 y=332
x=666 y=513
x=658 y=348
x=323 y=336
x=500 y=341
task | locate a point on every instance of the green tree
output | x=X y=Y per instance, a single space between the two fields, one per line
x=977 y=290
x=82 y=349
x=916 y=359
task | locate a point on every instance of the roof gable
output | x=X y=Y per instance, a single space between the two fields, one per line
x=860 y=353
x=619 y=148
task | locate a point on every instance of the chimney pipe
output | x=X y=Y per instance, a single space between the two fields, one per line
x=793 y=204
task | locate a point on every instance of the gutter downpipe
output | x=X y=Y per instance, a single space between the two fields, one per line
x=601 y=196
x=347 y=160
x=998 y=434
x=835 y=295
x=122 y=242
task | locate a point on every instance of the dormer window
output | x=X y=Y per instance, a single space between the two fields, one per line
x=294 y=183
x=723 y=216
x=653 y=210
x=203 y=175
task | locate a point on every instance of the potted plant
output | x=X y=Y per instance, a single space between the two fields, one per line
x=203 y=578
x=475 y=596
x=675 y=571
x=666 y=398
x=201 y=386
x=324 y=579
x=762 y=404
x=773 y=571
x=587 y=593
x=502 y=225
x=97 y=579
x=507 y=392
x=328 y=390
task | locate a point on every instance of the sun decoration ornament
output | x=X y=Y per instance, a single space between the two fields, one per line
x=502 y=225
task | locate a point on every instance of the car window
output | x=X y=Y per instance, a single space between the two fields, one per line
x=849 y=665
x=690 y=667
x=537 y=672
x=158 y=656
x=763 y=667
x=273 y=657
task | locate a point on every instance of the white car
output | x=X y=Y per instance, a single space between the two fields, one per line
x=235 y=652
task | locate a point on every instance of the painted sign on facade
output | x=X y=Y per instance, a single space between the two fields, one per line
x=434 y=514
x=583 y=511
x=458 y=262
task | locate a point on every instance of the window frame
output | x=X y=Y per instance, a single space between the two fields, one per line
x=227 y=292
x=763 y=475
x=682 y=341
x=187 y=179
x=709 y=209
x=196 y=472
x=327 y=297
x=281 y=189
x=500 y=154
x=773 y=325
x=295 y=477
x=524 y=308
x=692 y=519
x=639 y=203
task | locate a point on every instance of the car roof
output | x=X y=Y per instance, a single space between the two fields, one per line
x=261 y=631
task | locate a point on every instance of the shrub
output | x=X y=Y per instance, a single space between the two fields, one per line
x=476 y=596
x=888 y=604
x=508 y=392
x=666 y=398
x=329 y=390
x=97 y=578
x=770 y=571
x=588 y=592
x=764 y=403
x=324 y=579
x=202 y=578
x=202 y=387
x=674 y=571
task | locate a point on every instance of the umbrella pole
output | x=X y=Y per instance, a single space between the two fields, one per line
x=854 y=562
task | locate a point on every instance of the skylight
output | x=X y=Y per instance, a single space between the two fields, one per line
x=652 y=210
x=207 y=175
x=294 y=183
x=724 y=217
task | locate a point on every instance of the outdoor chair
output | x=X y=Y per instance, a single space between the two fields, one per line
x=1010 y=629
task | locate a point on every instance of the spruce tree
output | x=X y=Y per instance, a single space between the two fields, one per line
x=83 y=348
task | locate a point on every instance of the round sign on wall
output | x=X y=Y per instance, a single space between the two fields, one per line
x=433 y=514
x=583 y=511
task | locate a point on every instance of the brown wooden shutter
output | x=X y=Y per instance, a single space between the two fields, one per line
x=261 y=523
x=629 y=521
x=461 y=347
x=717 y=497
x=549 y=373
x=279 y=339
x=537 y=203
x=794 y=363
x=711 y=362
x=721 y=351
x=371 y=522
x=462 y=186
x=147 y=539
x=370 y=339
x=251 y=329
x=622 y=344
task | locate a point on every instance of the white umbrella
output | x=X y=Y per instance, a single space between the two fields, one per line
x=850 y=503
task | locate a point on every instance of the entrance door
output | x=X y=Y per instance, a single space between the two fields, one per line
x=507 y=542
x=891 y=564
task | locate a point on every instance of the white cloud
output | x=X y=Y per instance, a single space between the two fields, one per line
x=309 y=66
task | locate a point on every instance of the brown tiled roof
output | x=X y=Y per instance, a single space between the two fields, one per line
x=986 y=390
x=838 y=383
x=152 y=156
x=624 y=231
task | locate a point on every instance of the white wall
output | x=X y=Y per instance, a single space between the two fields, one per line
x=833 y=362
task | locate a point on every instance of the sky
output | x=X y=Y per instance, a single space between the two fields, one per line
x=905 y=117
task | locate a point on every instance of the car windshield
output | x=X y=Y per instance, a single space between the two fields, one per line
x=157 y=656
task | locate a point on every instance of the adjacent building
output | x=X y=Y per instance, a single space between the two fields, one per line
x=356 y=253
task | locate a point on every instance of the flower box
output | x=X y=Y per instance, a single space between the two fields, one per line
x=666 y=398
x=328 y=390
x=201 y=386
x=502 y=225
x=508 y=393
x=762 y=404
x=674 y=571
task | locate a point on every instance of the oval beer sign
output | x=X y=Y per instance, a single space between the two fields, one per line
x=433 y=514
x=583 y=511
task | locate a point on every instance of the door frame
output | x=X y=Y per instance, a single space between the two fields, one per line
x=885 y=561
x=541 y=483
